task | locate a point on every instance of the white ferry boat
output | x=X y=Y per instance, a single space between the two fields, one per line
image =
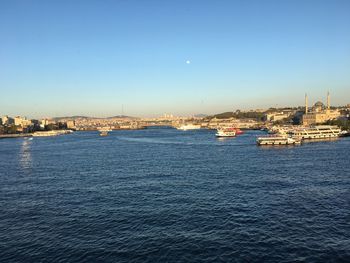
x=50 y=133
x=225 y=133
x=186 y=127
x=282 y=130
x=317 y=132
x=277 y=140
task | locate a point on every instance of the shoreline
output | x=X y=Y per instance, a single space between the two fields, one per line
x=21 y=135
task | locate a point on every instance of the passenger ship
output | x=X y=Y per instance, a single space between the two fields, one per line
x=277 y=140
x=50 y=133
x=316 y=132
x=226 y=132
x=186 y=127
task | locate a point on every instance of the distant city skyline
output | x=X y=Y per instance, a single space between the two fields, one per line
x=93 y=58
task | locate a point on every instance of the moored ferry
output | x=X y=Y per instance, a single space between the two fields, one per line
x=277 y=140
x=282 y=130
x=228 y=132
x=316 y=132
x=190 y=126
x=50 y=133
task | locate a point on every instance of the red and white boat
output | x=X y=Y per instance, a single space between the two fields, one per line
x=228 y=132
x=238 y=131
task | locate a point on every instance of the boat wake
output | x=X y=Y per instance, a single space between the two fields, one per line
x=150 y=140
x=214 y=142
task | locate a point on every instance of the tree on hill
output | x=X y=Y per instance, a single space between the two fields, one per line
x=224 y=115
x=259 y=116
x=11 y=129
x=343 y=124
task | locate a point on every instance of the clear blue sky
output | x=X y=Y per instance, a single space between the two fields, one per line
x=91 y=57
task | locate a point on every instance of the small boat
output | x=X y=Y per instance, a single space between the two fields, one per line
x=225 y=133
x=277 y=140
x=344 y=134
x=104 y=131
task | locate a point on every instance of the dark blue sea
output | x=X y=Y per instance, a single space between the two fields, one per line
x=163 y=195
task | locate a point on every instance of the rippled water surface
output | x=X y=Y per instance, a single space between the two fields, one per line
x=162 y=195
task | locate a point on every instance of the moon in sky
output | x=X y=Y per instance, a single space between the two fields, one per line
x=188 y=62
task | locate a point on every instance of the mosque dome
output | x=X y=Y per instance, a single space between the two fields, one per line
x=319 y=104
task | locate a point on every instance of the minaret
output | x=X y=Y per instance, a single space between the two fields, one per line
x=328 y=101
x=306 y=105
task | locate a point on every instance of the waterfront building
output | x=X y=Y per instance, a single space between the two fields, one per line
x=6 y=120
x=43 y=123
x=319 y=113
x=18 y=121
x=278 y=116
x=167 y=117
x=71 y=124
x=216 y=123
x=22 y=122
